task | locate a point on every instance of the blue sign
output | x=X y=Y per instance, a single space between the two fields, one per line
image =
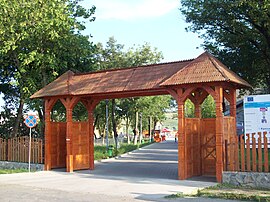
x=31 y=121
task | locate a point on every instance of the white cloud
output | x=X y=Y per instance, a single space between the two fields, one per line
x=131 y=9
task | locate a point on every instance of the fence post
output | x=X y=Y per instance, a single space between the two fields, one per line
x=242 y=148
x=265 y=145
x=260 y=152
x=254 y=156
x=248 y=152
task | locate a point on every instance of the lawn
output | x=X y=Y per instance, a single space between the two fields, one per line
x=226 y=191
x=101 y=152
x=9 y=171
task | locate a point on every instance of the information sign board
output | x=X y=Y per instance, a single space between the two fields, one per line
x=257 y=113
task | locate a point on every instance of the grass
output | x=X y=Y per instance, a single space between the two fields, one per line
x=101 y=152
x=226 y=191
x=9 y=171
x=177 y=195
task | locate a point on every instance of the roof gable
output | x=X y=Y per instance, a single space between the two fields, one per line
x=203 y=69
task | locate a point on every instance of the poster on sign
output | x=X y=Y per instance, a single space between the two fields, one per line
x=257 y=116
x=257 y=113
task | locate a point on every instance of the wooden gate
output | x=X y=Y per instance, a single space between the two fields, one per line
x=208 y=146
x=192 y=129
x=58 y=144
x=80 y=145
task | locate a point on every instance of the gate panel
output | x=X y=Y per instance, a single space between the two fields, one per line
x=231 y=145
x=208 y=146
x=80 y=145
x=192 y=129
x=58 y=144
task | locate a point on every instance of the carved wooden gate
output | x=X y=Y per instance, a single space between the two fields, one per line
x=80 y=145
x=192 y=128
x=58 y=144
x=208 y=146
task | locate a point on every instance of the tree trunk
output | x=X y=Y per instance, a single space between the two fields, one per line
x=42 y=121
x=95 y=123
x=114 y=125
x=136 y=128
x=149 y=128
x=18 y=118
x=128 y=138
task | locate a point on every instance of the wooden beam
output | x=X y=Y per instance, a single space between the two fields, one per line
x=173 y=93
x=187 y=92
x=210 y=91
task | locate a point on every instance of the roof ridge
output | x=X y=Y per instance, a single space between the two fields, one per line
x=133 y=67
x=218 y=68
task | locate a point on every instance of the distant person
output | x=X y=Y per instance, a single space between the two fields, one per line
x=176 y=137
x=135 y=133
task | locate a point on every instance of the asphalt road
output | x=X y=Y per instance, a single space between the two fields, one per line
x=147 y=174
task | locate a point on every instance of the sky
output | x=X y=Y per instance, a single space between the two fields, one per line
x=134 y=22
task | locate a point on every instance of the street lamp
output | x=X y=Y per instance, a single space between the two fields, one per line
x=140 y=128
x=107 y=124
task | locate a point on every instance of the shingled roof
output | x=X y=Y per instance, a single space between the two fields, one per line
x=203 y=69
x=155 y=78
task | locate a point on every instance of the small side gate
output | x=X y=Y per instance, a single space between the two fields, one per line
x=208 y=146
x=80 y=145
x=201 y=145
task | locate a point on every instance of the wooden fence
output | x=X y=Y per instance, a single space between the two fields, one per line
x=17 y=149
x=3 y=149
x=253 y=151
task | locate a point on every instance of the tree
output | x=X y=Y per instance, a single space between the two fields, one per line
x=39 y=40
x=237 y=32
x=114 y=56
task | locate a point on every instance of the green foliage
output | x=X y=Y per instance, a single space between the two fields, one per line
x=238 y=32
x=189 y=109
x=113 y=55
x=228 y=191
x=208 y=107
x=9 y=171
x=40 y=40
x=101 y=152
x=177 y=195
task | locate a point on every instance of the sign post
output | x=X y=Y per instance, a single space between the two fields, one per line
x=30 y=121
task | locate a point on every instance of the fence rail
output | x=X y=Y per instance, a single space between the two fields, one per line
x=253 y=151
x=17 y=149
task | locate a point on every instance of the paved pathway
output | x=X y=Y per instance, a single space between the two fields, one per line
x=158 y=160
x=148 y=174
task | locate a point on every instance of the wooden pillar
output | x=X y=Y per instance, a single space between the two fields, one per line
x=181 y=137
x=181 y=142
x=69 y=103
x=69 y=157
x=48 y=160
x=197 y=110
x=90 y=106
x=219 y=133
x=91 y=138
x=49 y=103
x=234 y=137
